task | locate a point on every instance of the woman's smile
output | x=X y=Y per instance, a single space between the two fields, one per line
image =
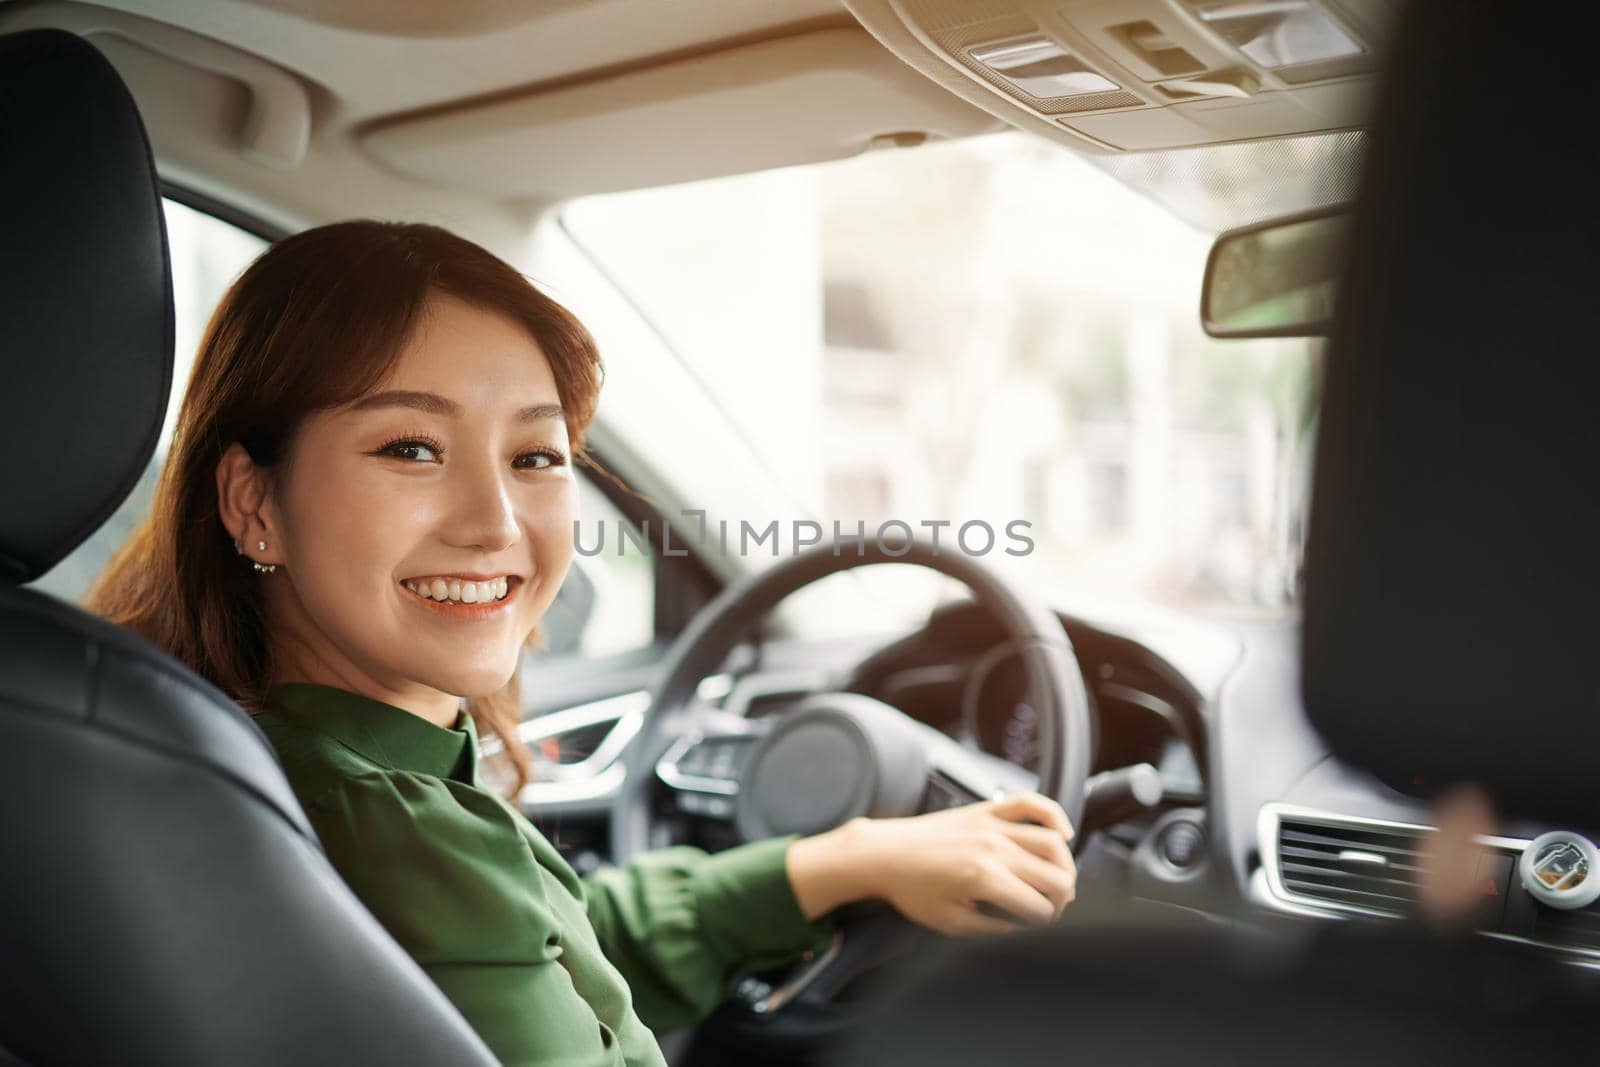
x=464 y=596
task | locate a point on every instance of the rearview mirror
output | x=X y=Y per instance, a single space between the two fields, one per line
x=1277 y=278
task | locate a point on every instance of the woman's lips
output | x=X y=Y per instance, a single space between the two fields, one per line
x=465 y=612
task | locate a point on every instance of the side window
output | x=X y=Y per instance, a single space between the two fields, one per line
x=207 y=255
x=607 y=605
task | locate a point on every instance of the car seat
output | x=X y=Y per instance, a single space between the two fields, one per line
x=162 y=897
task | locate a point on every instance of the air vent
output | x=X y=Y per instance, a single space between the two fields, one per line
x=1363 y=866
x=1353 y=865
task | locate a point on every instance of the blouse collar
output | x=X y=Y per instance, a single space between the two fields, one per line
x=389 y=736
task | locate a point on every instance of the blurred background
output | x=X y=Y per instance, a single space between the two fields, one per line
x=988 y=329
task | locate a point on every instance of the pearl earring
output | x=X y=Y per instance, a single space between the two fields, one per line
x=264 y=568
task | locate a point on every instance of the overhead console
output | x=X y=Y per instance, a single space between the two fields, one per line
x=1127 y=75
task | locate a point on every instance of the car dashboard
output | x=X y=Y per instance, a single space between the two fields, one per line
x=962 y=675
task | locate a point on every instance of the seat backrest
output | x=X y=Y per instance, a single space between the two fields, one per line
x=162 y=897
x=1452 y=582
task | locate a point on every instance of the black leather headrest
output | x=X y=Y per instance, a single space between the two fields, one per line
x=85 y=298
x=1452 y=590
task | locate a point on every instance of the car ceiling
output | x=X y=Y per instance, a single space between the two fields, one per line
x=373 y=58
x=480 y=113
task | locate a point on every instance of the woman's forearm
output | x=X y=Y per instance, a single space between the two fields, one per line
x=831 y=869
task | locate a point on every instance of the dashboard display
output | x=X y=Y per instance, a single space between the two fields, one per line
x=1019 y=736
x=997 y=711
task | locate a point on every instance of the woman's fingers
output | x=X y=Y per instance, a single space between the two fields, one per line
x=1037 y=807
x=1059 y=884
x=1003 y=888
x=1040 y=840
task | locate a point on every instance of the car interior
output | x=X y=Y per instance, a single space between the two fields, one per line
x=1377 y=206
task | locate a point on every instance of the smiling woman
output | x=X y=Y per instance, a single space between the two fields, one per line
x=367 y=509
x=453 y=475
x=279 y=398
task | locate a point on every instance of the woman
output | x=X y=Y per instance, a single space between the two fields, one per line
x=367 y=507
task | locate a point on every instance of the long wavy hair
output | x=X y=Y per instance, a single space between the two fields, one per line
x=316 y=321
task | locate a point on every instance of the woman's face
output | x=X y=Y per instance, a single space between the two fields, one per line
x=426 y=527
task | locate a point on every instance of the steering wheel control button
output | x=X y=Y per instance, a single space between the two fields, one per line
x=708 y=765
x=724 y=760
x=714 y=758
x=694 y=761
x=1561 y=869
x=705 y=804
x=1182 y=844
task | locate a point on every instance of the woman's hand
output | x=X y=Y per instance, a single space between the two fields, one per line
x=1449 y=890
x=936 y=869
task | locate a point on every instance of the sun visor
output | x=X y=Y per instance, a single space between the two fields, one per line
x=814 y=96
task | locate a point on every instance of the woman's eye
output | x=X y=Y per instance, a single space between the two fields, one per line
x=540 y=459
x=416 y=451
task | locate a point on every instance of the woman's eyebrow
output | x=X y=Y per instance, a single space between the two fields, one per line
x=434 y=404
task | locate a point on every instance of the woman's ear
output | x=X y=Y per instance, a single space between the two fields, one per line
x=244 y=503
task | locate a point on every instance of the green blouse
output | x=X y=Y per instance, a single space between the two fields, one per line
x=549 y=968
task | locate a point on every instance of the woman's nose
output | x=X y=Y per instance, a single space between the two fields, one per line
x=483 y=514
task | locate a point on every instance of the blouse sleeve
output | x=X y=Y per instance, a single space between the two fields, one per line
x=680 y=923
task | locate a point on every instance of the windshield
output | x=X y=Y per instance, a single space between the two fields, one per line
x=990 y=331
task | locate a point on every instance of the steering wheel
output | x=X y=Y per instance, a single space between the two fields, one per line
x=835 y=755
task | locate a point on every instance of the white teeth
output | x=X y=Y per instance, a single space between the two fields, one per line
x=463 y=592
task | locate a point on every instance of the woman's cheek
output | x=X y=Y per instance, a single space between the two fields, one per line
x=549 y=525
x=335 y=512
x=550 y=510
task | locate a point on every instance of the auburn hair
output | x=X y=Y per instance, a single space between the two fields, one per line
x=318 y=320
